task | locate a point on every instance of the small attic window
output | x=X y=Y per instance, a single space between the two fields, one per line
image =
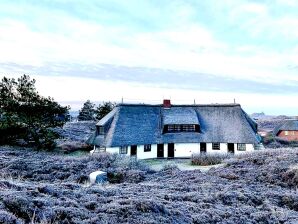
x=100 y=130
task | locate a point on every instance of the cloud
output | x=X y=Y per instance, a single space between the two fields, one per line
x=104 y=90
x=237 y=40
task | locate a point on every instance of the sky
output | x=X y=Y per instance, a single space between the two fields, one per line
x=205 y=51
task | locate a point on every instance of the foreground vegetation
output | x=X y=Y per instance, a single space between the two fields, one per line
x=38 y=187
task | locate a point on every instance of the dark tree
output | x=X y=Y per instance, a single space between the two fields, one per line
x=103 y=109
x=27 y=115
x=87 y=113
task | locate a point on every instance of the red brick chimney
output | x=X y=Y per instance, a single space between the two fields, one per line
x=167 y=104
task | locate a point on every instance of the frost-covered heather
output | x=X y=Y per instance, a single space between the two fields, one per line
x=45 y=188
x=205 y=159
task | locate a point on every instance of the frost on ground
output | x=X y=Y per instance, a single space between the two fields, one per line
x=44 y=188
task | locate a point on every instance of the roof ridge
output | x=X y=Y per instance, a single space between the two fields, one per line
x=182 y=105
x=112 y=127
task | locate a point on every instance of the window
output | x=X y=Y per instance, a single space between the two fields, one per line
x=101 y=130
x=188 y=128
x=174 y=128
x=241 y=147
x=286 y=133
x=123 y=150
x=181 y=128
x=257 y=146
x=216 y=146
x=147 y=148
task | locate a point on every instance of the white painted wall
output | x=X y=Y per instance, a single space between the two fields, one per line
x=249 y=148
x=113 y=150
x=181 y=150
x=147 y=155
x=223 y=148
x=185 y=149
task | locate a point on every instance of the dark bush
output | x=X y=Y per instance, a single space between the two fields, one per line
x=20 y=205
x=115 y=177
x=124 y=175
x=91 y=205
x=72 y=146
x=291 y=176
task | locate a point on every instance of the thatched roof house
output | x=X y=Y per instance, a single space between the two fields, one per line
x=288 y=130
x=142 y=124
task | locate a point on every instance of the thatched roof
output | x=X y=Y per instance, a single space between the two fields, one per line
x=138 y=124
x=180 y=115
x=289 y=125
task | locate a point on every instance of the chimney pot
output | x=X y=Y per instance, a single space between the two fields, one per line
x=167 y=104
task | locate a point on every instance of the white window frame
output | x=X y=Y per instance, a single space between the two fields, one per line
x=241 y=147
x=216 y=146
x=123 y=150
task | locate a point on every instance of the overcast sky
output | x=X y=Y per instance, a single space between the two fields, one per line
x=143 y=51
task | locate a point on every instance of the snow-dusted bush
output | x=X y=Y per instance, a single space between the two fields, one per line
x=206 y=159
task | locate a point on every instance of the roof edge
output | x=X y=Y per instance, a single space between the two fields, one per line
x=181 y=105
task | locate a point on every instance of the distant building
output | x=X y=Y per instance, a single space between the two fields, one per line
x=264 y=133
x=168 y=131
x=288 y=130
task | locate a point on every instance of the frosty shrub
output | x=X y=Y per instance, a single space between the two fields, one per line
x=6 y=217
x=254 y=188
x=127 y=169
x=29 y=165
x=291 y=176
x=127 y=162
x=169 y=166
x=206 y=159
x=72 y=146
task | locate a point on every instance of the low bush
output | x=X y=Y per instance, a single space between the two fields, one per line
x=170 y=167
x=72 y=146
x=7 y=217
x=126 y=162
x=291 y=176
x=206 y=159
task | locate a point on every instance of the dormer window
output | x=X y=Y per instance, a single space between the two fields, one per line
x=173 y=128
